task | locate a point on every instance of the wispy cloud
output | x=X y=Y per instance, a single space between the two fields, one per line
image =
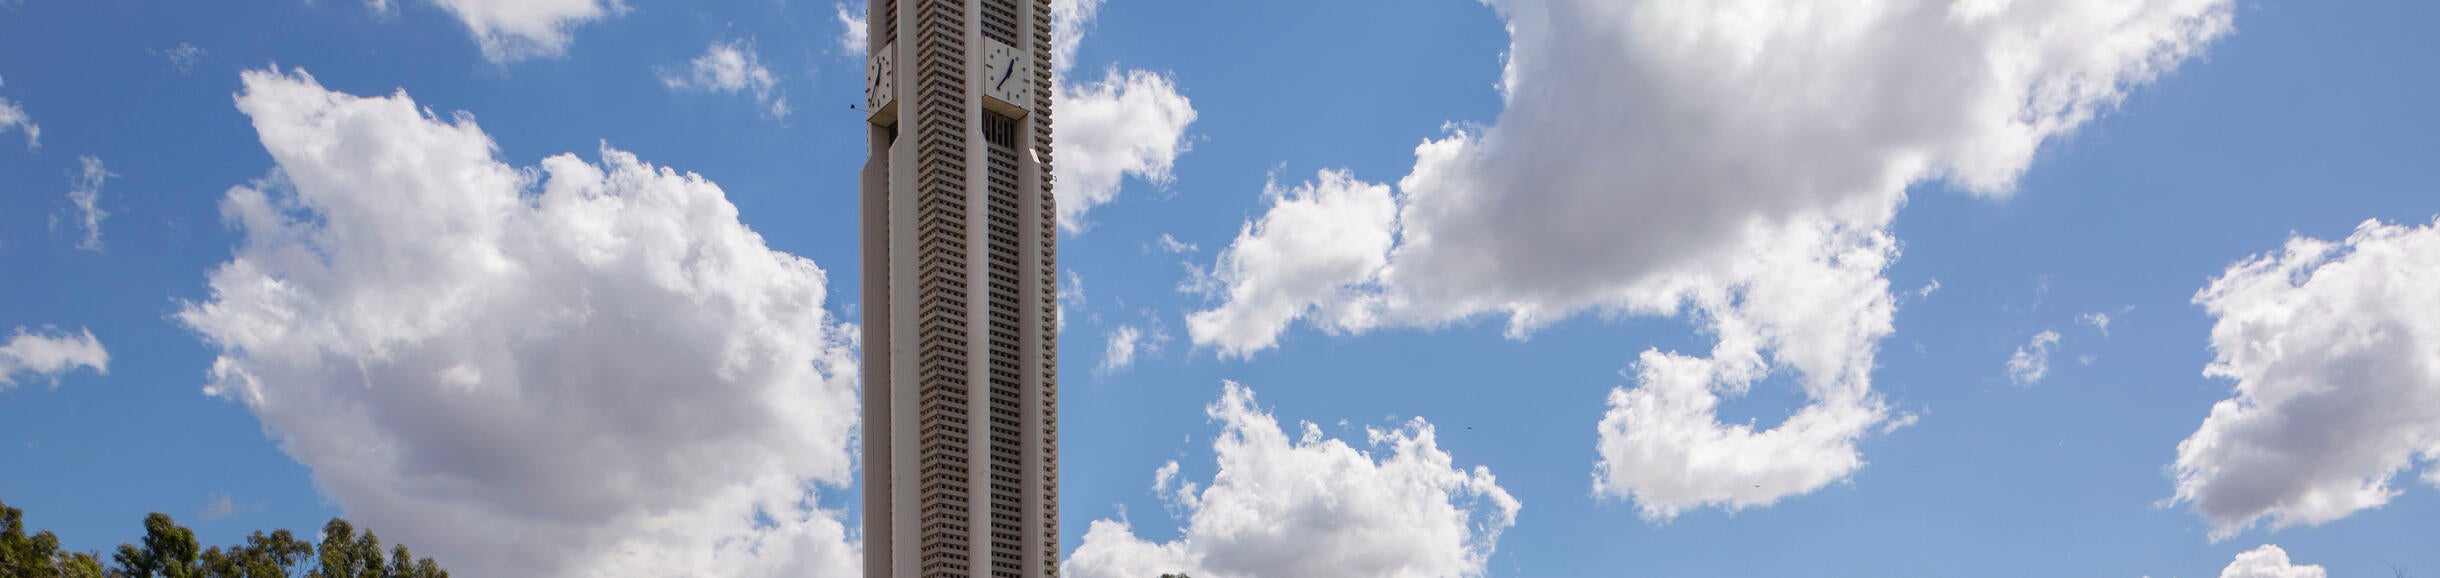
x=2098 y=320
x=183 y=57
x=2032 y=361
x=1171 y=245
x=85 y=192
x=13 y=117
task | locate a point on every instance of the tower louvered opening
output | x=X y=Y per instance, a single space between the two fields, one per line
x=1007 y=378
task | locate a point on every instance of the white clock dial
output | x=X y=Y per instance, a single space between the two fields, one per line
x=880 y=79
x=1007 y=75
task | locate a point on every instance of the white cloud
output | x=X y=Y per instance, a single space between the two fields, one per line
x=50 y=353
x=1711 y=125
x=1316 y=243
x=1127 y=343
x=2031 y=362
x=1128 y=123
x=1928 y=288
x=183 y=57
x=85 y=192
x=1069 y=20
x=2100 y=321
x=220 y=506
x=854 y=34
x=1071 y=294
x=2335 y=351
x=1652 y=153
x=1812 y=302
x=1171 y=245
x=731 y=67
x=1121 y=352
x=1311 y=506
x=12 y=117
x=2269 y=561
x=512 y=30
x=577 y=369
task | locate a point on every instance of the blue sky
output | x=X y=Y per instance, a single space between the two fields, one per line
x=1636 y=198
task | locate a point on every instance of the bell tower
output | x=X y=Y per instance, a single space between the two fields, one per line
x=961 y=422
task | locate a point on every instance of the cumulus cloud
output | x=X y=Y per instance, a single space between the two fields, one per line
x=586 y=368
x=1813 y=302
x=85 y=193
x=12 y=117
x=1653 y=154
x=854 y=34
x=50 y=353
x=512 y=30
x=2031 y=362
x=1127 y=123
x=1312 y=506
x=1643 y=139
x=2269 y=561
x=1318 y=241
x=731 y=67
x=2335 y=351
x=1069 y=21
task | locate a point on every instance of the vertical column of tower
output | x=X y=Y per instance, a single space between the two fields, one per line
x=941 y=120
x=875 y=200
x=880 y=525
x=1007 y=337
x=1009 y=460
x=1044 y=316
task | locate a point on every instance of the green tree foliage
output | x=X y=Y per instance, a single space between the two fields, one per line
x=261 y=557
x=169 y=550
x=38 y=555
x=347 y=555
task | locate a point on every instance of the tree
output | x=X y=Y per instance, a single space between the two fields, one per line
x=38 y=555
x=169 y=550
x=272 y=556
x=22 y=555
x=347 y=555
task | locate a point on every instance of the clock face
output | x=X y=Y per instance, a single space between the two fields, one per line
x=1007 y=75
x=880 y=79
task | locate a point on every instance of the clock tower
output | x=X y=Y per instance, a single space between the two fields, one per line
x=961 y=422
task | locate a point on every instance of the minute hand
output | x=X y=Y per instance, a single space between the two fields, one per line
x=1011 y=67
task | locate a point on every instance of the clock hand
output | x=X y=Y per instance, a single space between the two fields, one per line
x=1011 y=67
